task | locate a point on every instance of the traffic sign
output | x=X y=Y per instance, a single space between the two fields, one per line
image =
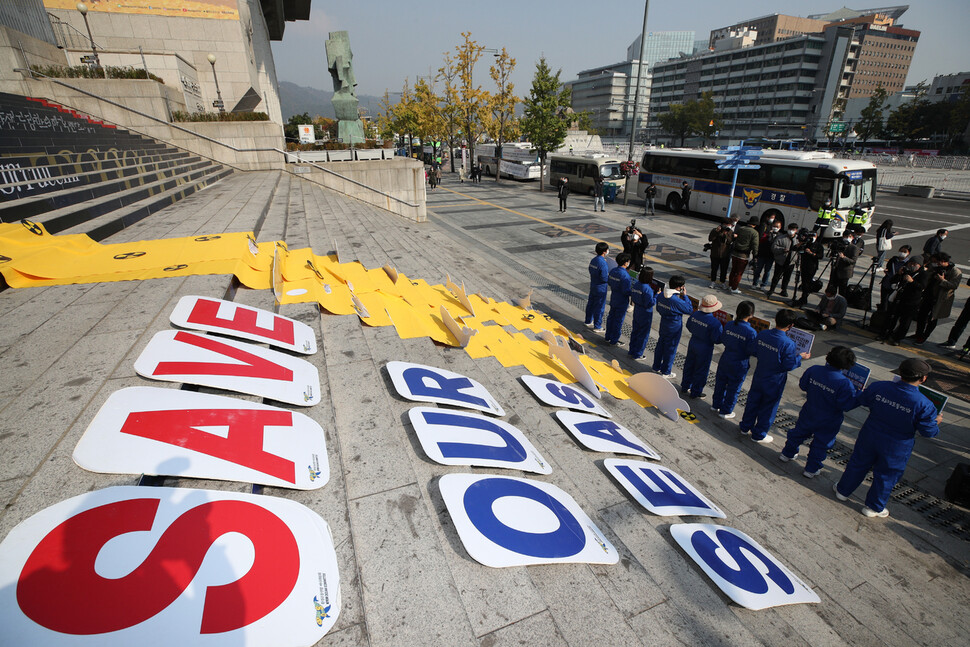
x=746 y=167
x=837 y=127
x=88 y=60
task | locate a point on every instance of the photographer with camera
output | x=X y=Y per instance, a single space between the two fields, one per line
x=783 y=251
x=844 y=254
x=944 y=279
x=634 y=243
x=719 y=245
x=809 y=250
x=892 y=269
x=908 y=286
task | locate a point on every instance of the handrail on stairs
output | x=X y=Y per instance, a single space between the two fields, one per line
x=286 y=154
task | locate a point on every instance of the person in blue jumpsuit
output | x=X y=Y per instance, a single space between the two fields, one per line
x=599 y=271
x=828 y=394
x=644 y=297
x=897 y=412
x=619 y=282
x=705 y=331
x=739 y=343
x=672 y=305
x=776 y=355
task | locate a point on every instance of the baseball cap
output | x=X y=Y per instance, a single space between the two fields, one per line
x=912 y=369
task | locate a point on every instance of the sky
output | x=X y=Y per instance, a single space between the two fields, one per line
x=396 y=39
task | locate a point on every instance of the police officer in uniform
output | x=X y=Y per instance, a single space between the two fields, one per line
x=897 y=412
x=705 y=331
x=825 y=215
x=828 y=393
x=644 y=297
x=738 y=339
x=672 y=305
x=619 y=282
x=599 y=272
x=776 y=355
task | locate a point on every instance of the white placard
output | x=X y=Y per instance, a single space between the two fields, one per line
x=237 y=320
x=420 y=383
x=180 y=356
x=661 y=491
x=740 y=567
x=568 y=396
x=462 y=438
x=307 y=134
x=169 y=566
x=170 y=432
x=505 y=521
x=803 y=340
x=599 y=435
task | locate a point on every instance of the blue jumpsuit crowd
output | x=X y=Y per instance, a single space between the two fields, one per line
x=776 y=357
x=828 y=395
x=619 y=282
x=599 y=272
x=644 y=298
x=738 y=339
x=705 y=331
x=671 y=309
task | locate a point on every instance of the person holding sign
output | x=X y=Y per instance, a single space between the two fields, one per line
x=739 y=342
x=672 y=305
x=828 y=394
x=777 y=356
x=644 y=297
x=897 y=412
x=619 y=282
x=705 y=331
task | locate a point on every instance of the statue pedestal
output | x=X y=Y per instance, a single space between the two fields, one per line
x=350 y=132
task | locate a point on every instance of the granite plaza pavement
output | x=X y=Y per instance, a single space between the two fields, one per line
x=405 y=577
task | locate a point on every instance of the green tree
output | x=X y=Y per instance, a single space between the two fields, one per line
x=500 y=121
x=870 y=119
x=545 y=122
x=706 y=121
x=291 y=131
x=584 y=121
x=448 y=74
x=909 y=121
x=427 y=111
x=677 y=121
x=470 y=100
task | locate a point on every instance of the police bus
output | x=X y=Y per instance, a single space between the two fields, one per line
x=790 y=185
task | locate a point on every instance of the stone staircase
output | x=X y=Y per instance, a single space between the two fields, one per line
x=75 y=174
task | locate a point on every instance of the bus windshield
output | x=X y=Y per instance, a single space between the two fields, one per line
x=856 y=192
x=611 y=171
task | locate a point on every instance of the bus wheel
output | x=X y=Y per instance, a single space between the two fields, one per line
x=779 y=216
x=673 y=203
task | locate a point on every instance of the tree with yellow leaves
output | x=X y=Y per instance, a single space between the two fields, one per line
x=470 y=101
x=500 y=122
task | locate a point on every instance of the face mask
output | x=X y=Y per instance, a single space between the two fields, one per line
x=776 y=229
x=943 y=237
x=904 y=256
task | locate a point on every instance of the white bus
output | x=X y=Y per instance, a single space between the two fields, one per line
x=519 y=160
x=790 y=185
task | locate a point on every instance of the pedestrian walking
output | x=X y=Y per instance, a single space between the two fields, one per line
x=619 y=282
x=599 y=199
x=897 y=412
x=672 y=305
x=461 y=174
x=738 y=338
x=685 y=198
x=719 y=245
x=744 y=246
x=777 y=356
x=599 y=272
x=705 y=331
x=643 y=294
x=563 y=193
x=828 y=395
x=651 y=196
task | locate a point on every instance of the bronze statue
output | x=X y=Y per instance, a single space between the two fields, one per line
x=340 y=62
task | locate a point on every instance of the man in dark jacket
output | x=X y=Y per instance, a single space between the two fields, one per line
x=685 y=198
x=893 y=266
x=844 y=255
x=934 y=245
x=944 y=279
x=908 y=286
x=783 y=253
x=720 y=240
x=598 y=199
x=563 y=192
x=745 y=245
x=810 y=251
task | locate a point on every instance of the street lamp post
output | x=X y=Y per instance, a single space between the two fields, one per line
x=83 y=10
x=218 y=102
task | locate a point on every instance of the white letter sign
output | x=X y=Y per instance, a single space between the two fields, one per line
x=504 y=521
x=557 y=394
x=236 y=320
x=660 y=490
x=600 y=435
x=169 y=566
x=169 y=432
x=742 y=569
x=429 y=384
x=180 y=356
x=460 y=438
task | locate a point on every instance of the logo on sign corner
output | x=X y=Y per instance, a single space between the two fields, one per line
x=306 y=346
x=751 y=196
x=323 y=612
x=308 y=393
x=538 y=460
x=314 y=468
x=598 y=540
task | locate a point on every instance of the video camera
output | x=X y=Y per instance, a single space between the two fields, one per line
x=633 y=223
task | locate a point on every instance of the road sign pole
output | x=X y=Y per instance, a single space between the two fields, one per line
x=734 y=183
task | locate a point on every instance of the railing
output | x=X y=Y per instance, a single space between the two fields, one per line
x=67 y=35
x=944 y=183
x=32 y=74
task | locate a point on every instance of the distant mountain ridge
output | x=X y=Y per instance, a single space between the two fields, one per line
x=297 y=99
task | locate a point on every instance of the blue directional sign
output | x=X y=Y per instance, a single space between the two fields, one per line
x=744 y=167
x=738 y=158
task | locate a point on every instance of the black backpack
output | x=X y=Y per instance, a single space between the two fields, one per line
x=958 y=485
